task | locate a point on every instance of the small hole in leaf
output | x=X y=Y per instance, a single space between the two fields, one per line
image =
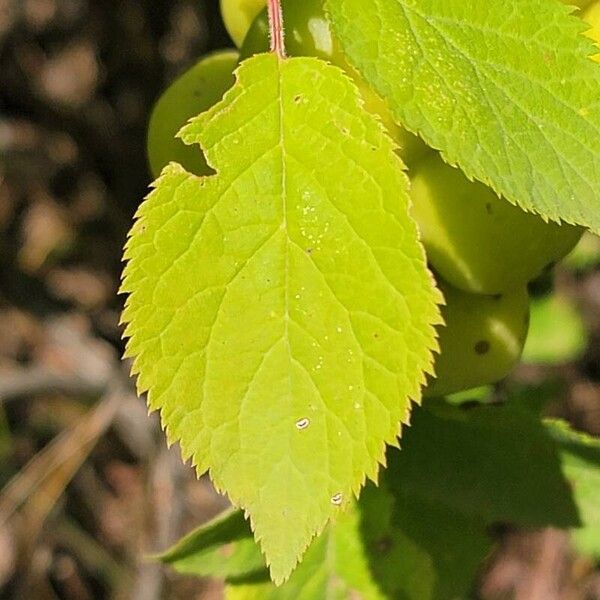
x=337 y=499
x=302 y=424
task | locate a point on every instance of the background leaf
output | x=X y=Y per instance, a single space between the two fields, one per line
x=224 y=548
x=557 y=332
x=335 y=568
x=580 y=456
x=480 y=462
x=419 y=549
x=280 y=313
x=391 y=546
x=422 y=534
x=506 y=90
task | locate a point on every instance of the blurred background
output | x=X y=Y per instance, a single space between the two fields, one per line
x=88 y=488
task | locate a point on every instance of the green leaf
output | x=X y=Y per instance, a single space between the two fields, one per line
x=492 y=462
x=580 y=455
x=335 y=567
x=481 y=394
x=390 y=546
x=423 y=529
x=280 y=313
x=418 y=549
x=506 y=90
x=503 y=464
x=224 y=547
x=557 y=333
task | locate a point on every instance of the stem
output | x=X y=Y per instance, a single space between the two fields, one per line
x=276 y=28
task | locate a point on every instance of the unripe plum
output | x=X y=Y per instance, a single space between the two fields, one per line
x=238 y=16
x=482 y=340
x=478 y=241
x=194 y=92
x=308 y=33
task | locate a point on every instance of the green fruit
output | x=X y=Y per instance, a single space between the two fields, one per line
x=193 y=93
x=308 y=33
x=477 y=241
x=482 y=341
x=238 y=16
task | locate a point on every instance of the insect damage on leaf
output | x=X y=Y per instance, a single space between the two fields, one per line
x=280 y=313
